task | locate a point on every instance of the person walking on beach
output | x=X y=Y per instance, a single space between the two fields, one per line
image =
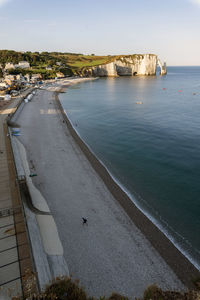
x=84 y=220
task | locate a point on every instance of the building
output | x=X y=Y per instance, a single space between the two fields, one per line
x=23 y=65
x=3 y=85
x=27 y=77
x=36 y=77
x=10 y=79
x=9 y=65
x=19 y=77
x=49 y=68
x=60 y=75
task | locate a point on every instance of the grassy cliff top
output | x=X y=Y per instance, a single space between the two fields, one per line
x=72 y=60
x=67 y=63
x=80 y=61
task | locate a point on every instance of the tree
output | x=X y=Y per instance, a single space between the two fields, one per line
x=1 y=73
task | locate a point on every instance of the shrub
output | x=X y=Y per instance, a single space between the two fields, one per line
x=196 y=282
x=155 y=293
x=151 y=292
x=115 y=296
x=65 y=289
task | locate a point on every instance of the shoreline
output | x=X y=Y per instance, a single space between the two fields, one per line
x=172 y=256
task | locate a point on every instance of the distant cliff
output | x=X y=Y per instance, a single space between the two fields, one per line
x=127 y=65
x=79 y=64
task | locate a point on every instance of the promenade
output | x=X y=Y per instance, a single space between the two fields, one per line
x=15 y=260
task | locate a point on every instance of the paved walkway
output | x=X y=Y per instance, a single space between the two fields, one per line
x=9 y=259
x=14 y=249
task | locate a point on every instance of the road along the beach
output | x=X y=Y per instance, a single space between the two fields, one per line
x=109 y=253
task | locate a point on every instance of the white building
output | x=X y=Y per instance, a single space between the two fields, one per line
x=7 y=97
x=3 y=85
x=10 y=79
x=23 y=65
x=27 y=77
x=49 y=68
x=20 y=77
x=9 y=65
x=36 y=77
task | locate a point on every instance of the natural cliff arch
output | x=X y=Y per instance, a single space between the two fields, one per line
x=159 y=64
x=163 y=68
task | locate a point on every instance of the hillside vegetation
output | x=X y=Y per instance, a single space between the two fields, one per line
x=57 y=61
x=65 y=288
x=68 y=63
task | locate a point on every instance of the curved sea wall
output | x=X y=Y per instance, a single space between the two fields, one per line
x=128 y=65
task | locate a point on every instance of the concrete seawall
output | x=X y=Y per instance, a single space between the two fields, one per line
x=46 y=246
x=17 y=270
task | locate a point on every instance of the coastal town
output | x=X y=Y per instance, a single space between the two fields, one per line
x=11 y=83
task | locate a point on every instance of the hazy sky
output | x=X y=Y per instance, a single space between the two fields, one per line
x=169 y=28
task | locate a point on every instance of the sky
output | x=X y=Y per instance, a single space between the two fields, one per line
x=168 y=28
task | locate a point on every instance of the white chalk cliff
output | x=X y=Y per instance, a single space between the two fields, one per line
x=128 y=65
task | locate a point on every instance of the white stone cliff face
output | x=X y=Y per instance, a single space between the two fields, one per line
x=105 y=70
x=127 y=66
x=163 y=68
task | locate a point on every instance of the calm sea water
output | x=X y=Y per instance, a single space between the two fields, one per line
x=153 y=148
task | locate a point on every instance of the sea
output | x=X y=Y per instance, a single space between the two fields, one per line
x=146 y=131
